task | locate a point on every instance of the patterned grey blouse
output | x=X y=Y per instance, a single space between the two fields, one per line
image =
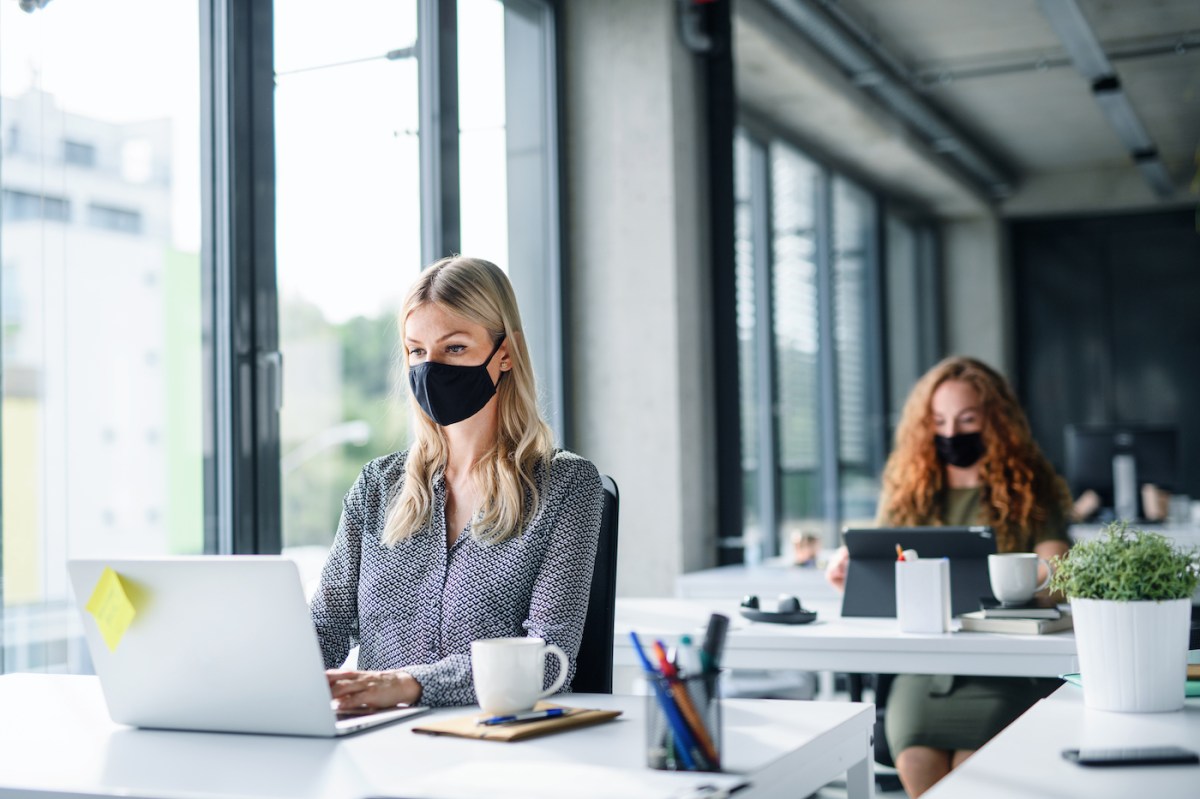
x=419 y=605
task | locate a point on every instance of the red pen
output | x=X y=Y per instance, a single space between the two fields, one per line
x=900 y=554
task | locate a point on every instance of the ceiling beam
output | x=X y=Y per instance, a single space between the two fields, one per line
x=1079 y=40
x=877 y=73
x=934 y=75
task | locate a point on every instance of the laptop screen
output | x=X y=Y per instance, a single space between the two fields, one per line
x=177 y=655
x=871 y=575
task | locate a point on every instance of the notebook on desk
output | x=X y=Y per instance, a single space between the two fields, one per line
x=871 y=574
x=222 y=644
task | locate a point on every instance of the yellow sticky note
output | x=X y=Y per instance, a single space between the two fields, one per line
x=110 y=606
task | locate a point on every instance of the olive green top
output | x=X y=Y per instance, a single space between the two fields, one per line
x=964 y=506
x=961 y=506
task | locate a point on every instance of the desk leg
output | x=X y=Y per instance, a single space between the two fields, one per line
x=860 y=778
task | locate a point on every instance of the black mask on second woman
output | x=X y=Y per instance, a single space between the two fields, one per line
x=449 y=393
x=962 y=450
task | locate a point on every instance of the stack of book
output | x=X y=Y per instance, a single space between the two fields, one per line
x=1031 y=618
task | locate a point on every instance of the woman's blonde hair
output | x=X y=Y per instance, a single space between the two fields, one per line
x=1020 y=487
x=479 y=292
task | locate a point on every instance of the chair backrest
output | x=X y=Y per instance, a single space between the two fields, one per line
x=594 y=665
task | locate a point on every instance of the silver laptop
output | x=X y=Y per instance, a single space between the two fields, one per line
x=219 y=643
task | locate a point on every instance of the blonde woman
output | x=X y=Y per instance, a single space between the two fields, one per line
x=480 y=530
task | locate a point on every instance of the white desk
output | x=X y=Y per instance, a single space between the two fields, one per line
x=768 y=580
x=57 y=741
x=1024 y=759
x=836 y=644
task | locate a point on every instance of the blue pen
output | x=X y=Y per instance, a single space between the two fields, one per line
x=668 y=706
x=533 y=715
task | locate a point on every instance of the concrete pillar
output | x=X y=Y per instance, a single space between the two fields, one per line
x=638 y=307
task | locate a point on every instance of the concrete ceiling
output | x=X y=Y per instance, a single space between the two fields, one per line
x=785 y=83
x=999 y=71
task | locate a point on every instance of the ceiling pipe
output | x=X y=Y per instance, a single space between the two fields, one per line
x=870 y=67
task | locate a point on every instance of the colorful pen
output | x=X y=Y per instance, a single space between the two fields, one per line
x=684 y=702
x=532 y=715
x=678 y=727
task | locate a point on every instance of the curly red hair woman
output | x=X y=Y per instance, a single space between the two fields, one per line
x=1020 y=491
x=964 y=455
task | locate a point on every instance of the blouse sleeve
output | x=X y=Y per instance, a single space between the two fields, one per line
x=334 y=607
x=558 y=603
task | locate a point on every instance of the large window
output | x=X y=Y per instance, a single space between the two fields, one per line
x=348 y=242
x=813 y=374
x=913 y=306
x=349 y=219
x=181 y=210
x=856 y=351
x=758 y=506
x=103 y=404
x=508 y=189
x=795 y=189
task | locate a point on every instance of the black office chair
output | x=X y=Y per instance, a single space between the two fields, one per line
x=594 y=665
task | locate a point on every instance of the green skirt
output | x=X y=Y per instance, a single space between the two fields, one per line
x=945 y=712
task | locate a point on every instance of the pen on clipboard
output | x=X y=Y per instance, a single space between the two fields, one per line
x=532 y=715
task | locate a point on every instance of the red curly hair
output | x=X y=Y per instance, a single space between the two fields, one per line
x=1020 y=488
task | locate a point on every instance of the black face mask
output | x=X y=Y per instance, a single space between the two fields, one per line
x=962 y=450
x=449 y=394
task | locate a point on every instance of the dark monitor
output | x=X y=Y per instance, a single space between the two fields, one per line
x=1116 y=460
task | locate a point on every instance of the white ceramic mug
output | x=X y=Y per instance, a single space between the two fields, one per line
x=1014 y=576
x=509 y=673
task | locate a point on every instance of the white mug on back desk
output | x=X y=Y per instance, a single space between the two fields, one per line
x=1014 y=576
x=509 y=673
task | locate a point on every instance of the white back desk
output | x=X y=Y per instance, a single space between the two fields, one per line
x=836 y=644
x=1025 y=759
x=56 y=740
x=768 y=580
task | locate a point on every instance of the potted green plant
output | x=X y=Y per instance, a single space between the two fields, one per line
x=1130 y=593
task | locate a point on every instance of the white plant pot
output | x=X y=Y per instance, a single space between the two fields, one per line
x=1132 y=655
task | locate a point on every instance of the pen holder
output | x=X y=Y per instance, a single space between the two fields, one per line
x=683 y=723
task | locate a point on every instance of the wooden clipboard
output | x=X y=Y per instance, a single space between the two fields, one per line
x=469 y=726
